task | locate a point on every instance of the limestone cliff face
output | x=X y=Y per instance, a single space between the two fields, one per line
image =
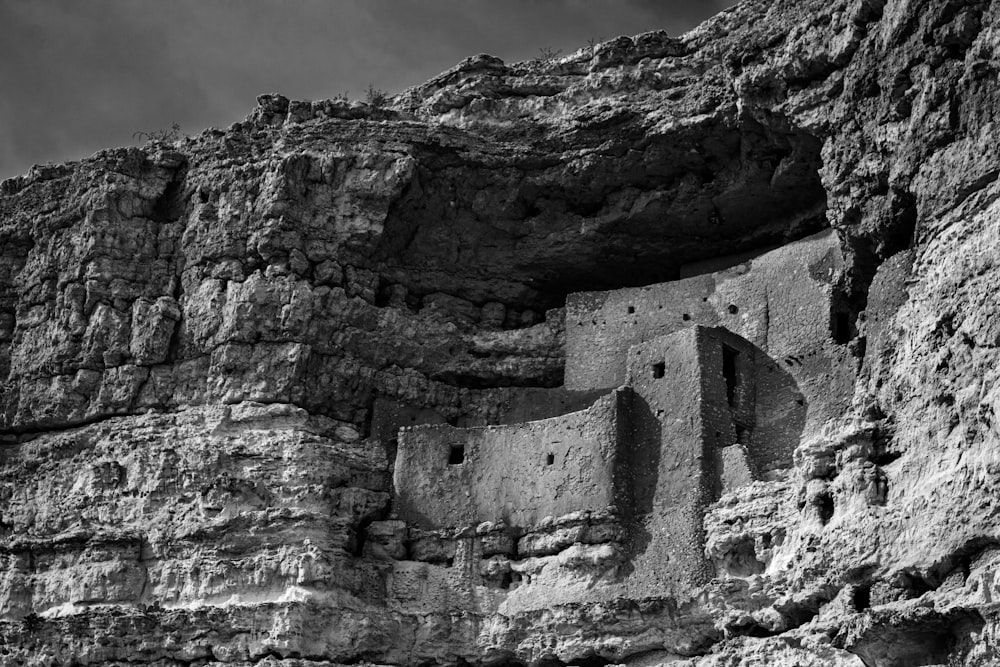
x=207 y=350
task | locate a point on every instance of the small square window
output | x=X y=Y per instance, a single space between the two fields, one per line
x=550 y=459
x=631 y=310
x=456 y=456
x=659 y=370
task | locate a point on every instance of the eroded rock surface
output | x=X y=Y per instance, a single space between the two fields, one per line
x=207 y=350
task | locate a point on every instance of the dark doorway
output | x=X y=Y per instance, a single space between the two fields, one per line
x=729 y=373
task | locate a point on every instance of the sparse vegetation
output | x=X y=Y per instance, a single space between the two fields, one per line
x=173 y=134
x=376 y=97
x=547 y=54
x=342 y=97
x=32 y=622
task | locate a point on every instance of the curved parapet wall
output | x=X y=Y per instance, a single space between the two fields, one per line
x=448 y=477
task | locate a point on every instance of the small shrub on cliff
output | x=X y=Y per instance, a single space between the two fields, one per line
x=173 y=134
x=376 y=97
x=32 y=622
x=547 y=54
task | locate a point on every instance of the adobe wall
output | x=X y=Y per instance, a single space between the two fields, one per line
x=519 y=473
x=769 y=411
x=664 y=466
x=698 y=429
x=533 y=403
x=727 y=423
x=510 y=406
x=779 y=301
x=389 y=415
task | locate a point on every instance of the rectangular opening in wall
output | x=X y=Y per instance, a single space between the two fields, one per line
x=729 y=373
x=456 y=455
x=841 y=325
x=659 y=370
x=550 y=459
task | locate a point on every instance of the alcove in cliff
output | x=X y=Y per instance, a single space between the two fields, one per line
x=660 y=207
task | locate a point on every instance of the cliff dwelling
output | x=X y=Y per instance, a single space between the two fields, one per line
x=678 y=349
x=703 y=385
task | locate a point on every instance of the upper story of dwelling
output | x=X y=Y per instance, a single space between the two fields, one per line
x=742 y=360
x=784 y=302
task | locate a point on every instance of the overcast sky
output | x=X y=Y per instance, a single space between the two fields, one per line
x=77 y=76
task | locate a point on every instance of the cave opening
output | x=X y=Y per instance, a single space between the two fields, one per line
x=862 y=597
x=707 y=203
x=842 y=328
x=741 y=560
x=510 y=580
x=592 y=661
x=169 y=206
x=825 y=507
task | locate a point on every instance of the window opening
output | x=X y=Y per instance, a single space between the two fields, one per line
x=659 y=370
x=550 y=459
x=729 y=373
x=456 y=456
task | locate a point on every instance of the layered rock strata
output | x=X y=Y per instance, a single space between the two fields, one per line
x=207 y=350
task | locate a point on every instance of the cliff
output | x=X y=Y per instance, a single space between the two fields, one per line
x=207 y=350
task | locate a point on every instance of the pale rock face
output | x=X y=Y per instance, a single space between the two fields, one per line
x=207 y=348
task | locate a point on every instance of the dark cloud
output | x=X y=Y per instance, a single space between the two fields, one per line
x=76 y=80
x=79 y=76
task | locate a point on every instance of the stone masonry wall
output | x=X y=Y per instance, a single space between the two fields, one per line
x=768 y=414
x=694 y=435
x=519 y=473
x=781 y=302
x=666 y=466
x=728 y=416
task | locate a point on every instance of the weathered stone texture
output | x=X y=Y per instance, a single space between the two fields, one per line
x=783 y=301
x=519 y=474
x=207 y=349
